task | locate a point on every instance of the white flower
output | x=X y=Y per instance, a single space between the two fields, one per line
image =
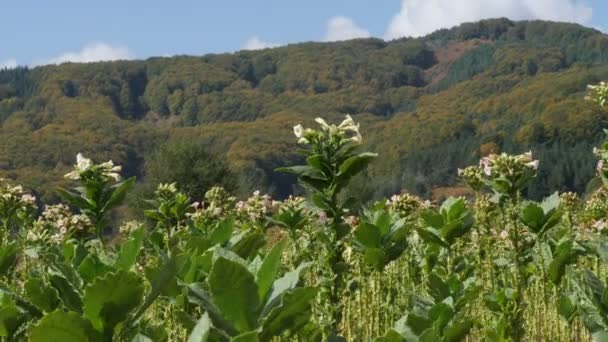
x=600 y=225
x=28 y=199
x=298 y=130
x=83 y=163
x=323 y=124
x=74 y=175
x=486 y=164
x=533 y=165
x=348 y=122
x=114 y=175
x=504 y=234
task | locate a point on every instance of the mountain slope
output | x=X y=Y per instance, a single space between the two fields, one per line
x=427 y=105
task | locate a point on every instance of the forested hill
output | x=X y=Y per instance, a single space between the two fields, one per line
x=427 y=106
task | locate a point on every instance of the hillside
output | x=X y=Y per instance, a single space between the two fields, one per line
x=427 y=105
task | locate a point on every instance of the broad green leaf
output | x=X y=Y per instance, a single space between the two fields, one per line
x=429 y=335
x=418 y=323
x=109 y=300
x=600 y=336
x=233 y=291
x=74 y=199
x=303 y=170
x=222 y=232
x=10 y=319
x=60 y=326
x=202 y=330
x=119 y=193
x=287 y=282
x=199 y=296
x=248 y=244
x=159 y=279
x=567 y=306
x=383 y=221
x=91 y=267
x=269 y=268
x=354 y=165
x=8 y=256
x=368 y=235
x=316 y=161
x=551 y=203
x=533 y=216
x=41 y=294
x=390 y=336
x=429 y=235
x=130 y=250
x=291 y=314
x=456 y=331
x=375 y=258
x=432 y=219
x=438 y=289
x=453 y=208
x=251 y=336
x=562 y=256
x=68 y=294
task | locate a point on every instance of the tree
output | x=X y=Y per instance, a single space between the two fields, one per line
x=189 y=164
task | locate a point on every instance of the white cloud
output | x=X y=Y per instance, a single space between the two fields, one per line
x=94 y=52
x=419 y=17
x=255 y=43
x=343 y=28
x=8 y=64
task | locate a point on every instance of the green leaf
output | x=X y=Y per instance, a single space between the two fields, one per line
x=109 y=300
x=11 y=318
x=60 y=326
x=247 y=246
x=291 y=314
x=232 y=291
x=600 y=336
x=562 y=256
x=8 y=256
x=203 y=330
x=390 y=336
x=41 y=294
x=251 y=336
x=287 y=282
x=456 y=331
x=375 y=258
x=551 y=203
x=383 y=221
x=74 y=199
x=418 y=323
x=533 y=216
x=130 y=250
x=368 y=235
x=354 y=165
x=119 y=193
x=199 y=296
x=91 y=267
x=567 y=306
x=269 y=268
x=303 y=170
x=68 y=294
x=159 y=278
x=222 y=232
x=429 y=235
x=432 y=218
x=438 y=289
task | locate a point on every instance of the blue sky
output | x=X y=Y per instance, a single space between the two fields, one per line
x=41 y=32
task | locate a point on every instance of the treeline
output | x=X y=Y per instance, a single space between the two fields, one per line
x=430 y=104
